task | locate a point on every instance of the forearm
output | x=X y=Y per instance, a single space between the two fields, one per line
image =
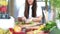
x=37 y=19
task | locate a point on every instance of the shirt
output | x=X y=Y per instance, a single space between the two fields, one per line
x=22 y=9
x=30 y=11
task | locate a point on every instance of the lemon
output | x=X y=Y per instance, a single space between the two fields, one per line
x=17 y=29
x=10 y=32
x=4 y=3
x=36 y=31
x=41 y=26
x=31 y=32
x=1 y=31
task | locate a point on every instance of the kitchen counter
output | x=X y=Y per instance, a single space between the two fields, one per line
x=7 y=23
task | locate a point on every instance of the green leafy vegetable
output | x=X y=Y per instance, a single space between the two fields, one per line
x=49 y=25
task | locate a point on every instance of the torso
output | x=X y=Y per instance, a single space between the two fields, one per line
x=38 y=12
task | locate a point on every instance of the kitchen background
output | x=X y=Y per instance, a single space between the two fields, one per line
x=16 y=4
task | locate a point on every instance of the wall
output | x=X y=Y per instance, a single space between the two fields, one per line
x=18 y=3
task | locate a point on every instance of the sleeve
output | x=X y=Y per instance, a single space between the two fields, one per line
x=21 y=12
x=39 y=11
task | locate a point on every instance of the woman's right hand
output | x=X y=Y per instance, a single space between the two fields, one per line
x=21 y=19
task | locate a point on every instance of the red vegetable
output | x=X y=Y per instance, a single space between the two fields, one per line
x=18 y=32
x=3 y=9
x=0 y=8
x=11 y=29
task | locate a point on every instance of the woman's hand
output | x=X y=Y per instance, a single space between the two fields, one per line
x=21 y=19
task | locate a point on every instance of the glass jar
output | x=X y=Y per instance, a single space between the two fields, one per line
x=4 y=9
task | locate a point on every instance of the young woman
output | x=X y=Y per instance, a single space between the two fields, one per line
x=30 y=11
